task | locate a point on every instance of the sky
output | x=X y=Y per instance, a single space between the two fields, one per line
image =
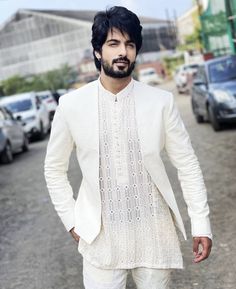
x=151 y=8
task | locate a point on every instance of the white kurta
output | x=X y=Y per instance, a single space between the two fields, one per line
x=137 y=227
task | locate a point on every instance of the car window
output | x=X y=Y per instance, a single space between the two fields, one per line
x=8 y=114
x=223 y=70
x=200 y=75
x=38 y=101
x=45 y=96
x=1 y=115
x=20 y=105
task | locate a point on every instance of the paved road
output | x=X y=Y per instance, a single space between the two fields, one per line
x=37 y=253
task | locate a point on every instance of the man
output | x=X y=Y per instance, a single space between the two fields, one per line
x=125 y=214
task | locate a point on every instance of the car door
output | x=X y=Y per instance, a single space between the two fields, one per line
x=15 y=130
x=200 y=90
x=43 y=113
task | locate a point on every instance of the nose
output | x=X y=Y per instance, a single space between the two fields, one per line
x=123 y=51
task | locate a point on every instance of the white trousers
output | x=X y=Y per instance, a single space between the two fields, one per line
x=144 y=278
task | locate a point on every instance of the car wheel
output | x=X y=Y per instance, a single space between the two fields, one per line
x=7 y=156
x=199 y=118
x=25 y=146
x=213 y=120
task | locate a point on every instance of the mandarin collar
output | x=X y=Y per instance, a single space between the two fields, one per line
x=125 y=92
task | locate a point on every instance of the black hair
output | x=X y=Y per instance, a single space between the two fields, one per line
x=116 y=17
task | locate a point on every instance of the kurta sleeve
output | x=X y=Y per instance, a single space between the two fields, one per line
x=182 y=156
x=58 y=153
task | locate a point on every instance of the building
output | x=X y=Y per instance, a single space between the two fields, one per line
x=218 y=24
x=188 y=23
x=230 y=6
x=37 y=41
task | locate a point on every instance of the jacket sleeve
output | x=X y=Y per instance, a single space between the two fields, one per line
x=182 y=156
x=58 y=153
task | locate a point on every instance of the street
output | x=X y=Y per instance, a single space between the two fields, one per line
x=37 y=253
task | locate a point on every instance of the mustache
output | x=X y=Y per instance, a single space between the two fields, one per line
x=120 y=59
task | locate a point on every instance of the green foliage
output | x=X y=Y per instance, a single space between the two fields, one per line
x=192 y=41
x=13 y=84
x=52 y=80
x=172 y=62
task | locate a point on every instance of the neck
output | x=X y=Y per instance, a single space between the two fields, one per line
x=114 y=85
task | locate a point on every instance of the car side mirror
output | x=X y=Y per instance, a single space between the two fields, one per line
x=19 y=118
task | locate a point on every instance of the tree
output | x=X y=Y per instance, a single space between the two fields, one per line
x=52 y=80
x=13 y=84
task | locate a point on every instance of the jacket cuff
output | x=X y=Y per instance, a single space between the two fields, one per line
x=201 y=227
x=68 y=221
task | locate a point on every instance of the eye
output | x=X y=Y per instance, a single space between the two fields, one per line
x=113 y=44
x=131 y=45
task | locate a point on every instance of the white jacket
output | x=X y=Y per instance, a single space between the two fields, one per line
x=159 y=127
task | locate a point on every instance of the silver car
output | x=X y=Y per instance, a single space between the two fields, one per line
x=12 y=136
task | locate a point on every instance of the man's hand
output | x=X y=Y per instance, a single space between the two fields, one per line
x=201 y=248
x=74 y=235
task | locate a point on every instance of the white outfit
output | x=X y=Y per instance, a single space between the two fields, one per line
x=144 y=278
x=76 y=124
x=137 y=227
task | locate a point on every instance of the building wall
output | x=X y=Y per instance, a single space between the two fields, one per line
x=215 y=29
x=34 y=42
x=231 y=15
x=159 y=37
x=35 y=45
x=187 y=24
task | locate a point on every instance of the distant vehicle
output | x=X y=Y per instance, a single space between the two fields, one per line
x=214 y=92
x=48 y=99
x=31 y=110
x=59 y=92
x=149 y=76
x=183 y=77
x=12 y=136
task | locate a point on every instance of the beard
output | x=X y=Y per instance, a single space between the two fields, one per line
x=120 y=73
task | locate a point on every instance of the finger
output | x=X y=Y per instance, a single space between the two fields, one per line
x=196 y=242
x=206 y=249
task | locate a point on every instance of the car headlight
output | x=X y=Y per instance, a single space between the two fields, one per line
x=30 y=118
x=223 y=96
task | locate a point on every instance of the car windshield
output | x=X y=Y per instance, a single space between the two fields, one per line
x=45 y=96
x=20 y=105
x=223 y=70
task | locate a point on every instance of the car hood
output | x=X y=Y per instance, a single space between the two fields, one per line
x=229 y=86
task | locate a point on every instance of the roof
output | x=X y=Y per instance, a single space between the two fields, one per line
x=13 y=98
x=88 y=15
x=218 y=59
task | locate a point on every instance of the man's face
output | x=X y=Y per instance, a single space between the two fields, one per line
x=118 y=55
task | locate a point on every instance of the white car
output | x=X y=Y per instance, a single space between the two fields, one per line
x=30 y=109
x=12 y=136
x=149 y=75
x=48 y=99
x=183 y=77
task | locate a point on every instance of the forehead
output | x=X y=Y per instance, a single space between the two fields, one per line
x=115 y=33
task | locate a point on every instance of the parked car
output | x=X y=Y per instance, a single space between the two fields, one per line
x=214 y=91
x=48 y=99
x=12 y=136
x=149 y=75
x=31 y=110
x=183 y=77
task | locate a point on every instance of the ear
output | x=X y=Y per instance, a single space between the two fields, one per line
x=97 y=54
